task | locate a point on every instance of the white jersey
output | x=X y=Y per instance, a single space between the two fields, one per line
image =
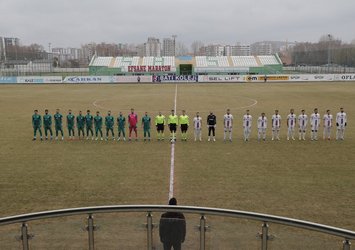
x=315 y=120
x=291 y=120
x=276 y=121
x=197 y=122
x=247 y=121
x=262 y=122
x=302 y=120
x=328 y=120
x=228 y=120
x=341 y=119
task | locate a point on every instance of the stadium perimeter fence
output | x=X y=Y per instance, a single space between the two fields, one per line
x=137 y=227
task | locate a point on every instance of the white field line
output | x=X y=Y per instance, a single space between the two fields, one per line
x=172 y=157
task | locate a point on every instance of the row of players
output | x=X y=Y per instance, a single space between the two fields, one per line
x=88 y=122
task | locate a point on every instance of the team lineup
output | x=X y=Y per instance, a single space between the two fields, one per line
x=89 y=123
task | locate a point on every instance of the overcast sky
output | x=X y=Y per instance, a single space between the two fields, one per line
x=70 y=23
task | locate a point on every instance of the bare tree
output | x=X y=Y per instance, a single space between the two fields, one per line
x=181 y=49
x=196 y=47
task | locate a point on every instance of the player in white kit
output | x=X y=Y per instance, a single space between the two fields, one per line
x=276 y=125
x=247 y=119
x=262 y=125
x=327 y=124
x=197 y=126
x=341 y=121
x=302 y=124
x=315 y=122
x=291 y=124
x=228 y=125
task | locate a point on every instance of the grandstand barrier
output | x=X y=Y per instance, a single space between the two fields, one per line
x=176 y=78
x=207 y=228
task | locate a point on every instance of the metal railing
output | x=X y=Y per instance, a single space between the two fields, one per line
x=24 y=219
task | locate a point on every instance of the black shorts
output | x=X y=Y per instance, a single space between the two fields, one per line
x=160 y=127
x=172 y=127
x=184 y=128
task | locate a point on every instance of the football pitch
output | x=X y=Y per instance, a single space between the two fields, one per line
x=309 y=180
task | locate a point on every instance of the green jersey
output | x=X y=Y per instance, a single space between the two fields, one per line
x=184 y=119
x=47 y=120
x=36 y=120
x=88 y=120
x=172 y=119
x=121 y=121
x=80 y=121
x=70 y=120
x=159 y=119
x=58 y=119
x=98 y=121
x=146 y=122
x=109 y=121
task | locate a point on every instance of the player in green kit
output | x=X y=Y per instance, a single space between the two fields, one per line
x=36 y=124
x=71 y=124
x=88 y=122
x=98 y=125
x=109 y=122
x=47 y=123
x=160 y=124
x=58 y=124
x=80 y=122
x=121 y=124
x=146 y=121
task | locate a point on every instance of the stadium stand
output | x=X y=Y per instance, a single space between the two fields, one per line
x=102 y=61
x=268 y=60
x=126 y=61
x=212 y=61
x=244 y=61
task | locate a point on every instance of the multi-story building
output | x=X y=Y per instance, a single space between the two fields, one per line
x=168 y=47
x=152 y=47
x=261 y=48
x=212 y=50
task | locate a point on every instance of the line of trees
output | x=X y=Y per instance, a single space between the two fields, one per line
x=327 y=51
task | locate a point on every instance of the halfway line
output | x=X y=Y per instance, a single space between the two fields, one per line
x=172 y=158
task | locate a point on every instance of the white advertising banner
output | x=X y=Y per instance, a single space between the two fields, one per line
x=312 y=78
x=221 y=78
x=344 y=77
x=39 y=79
x=88 y=79
x=131 y=79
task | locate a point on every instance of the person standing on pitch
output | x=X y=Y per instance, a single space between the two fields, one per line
x=172 y=123
x=98 y=125
x=36 y=124
x=146 y=122
x=341 y=121
x=327 y=124
x=276 y=125
x=197 y=127
x=228 y=125
x=262 y=126
x=291 y=123
x=160 y=124
x=172 y=228
x=80 y=122
x=247 y=119
x=47 y=123
x=71 y=124
x=109 y=123
x=89 y=119
x=132 y=121
x=58 y=124
x=302 y=124
x=121 y=124
x=315 y=121
x=184 y=125
x=211 y=124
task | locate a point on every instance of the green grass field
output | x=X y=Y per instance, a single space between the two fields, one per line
x=306 y=180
